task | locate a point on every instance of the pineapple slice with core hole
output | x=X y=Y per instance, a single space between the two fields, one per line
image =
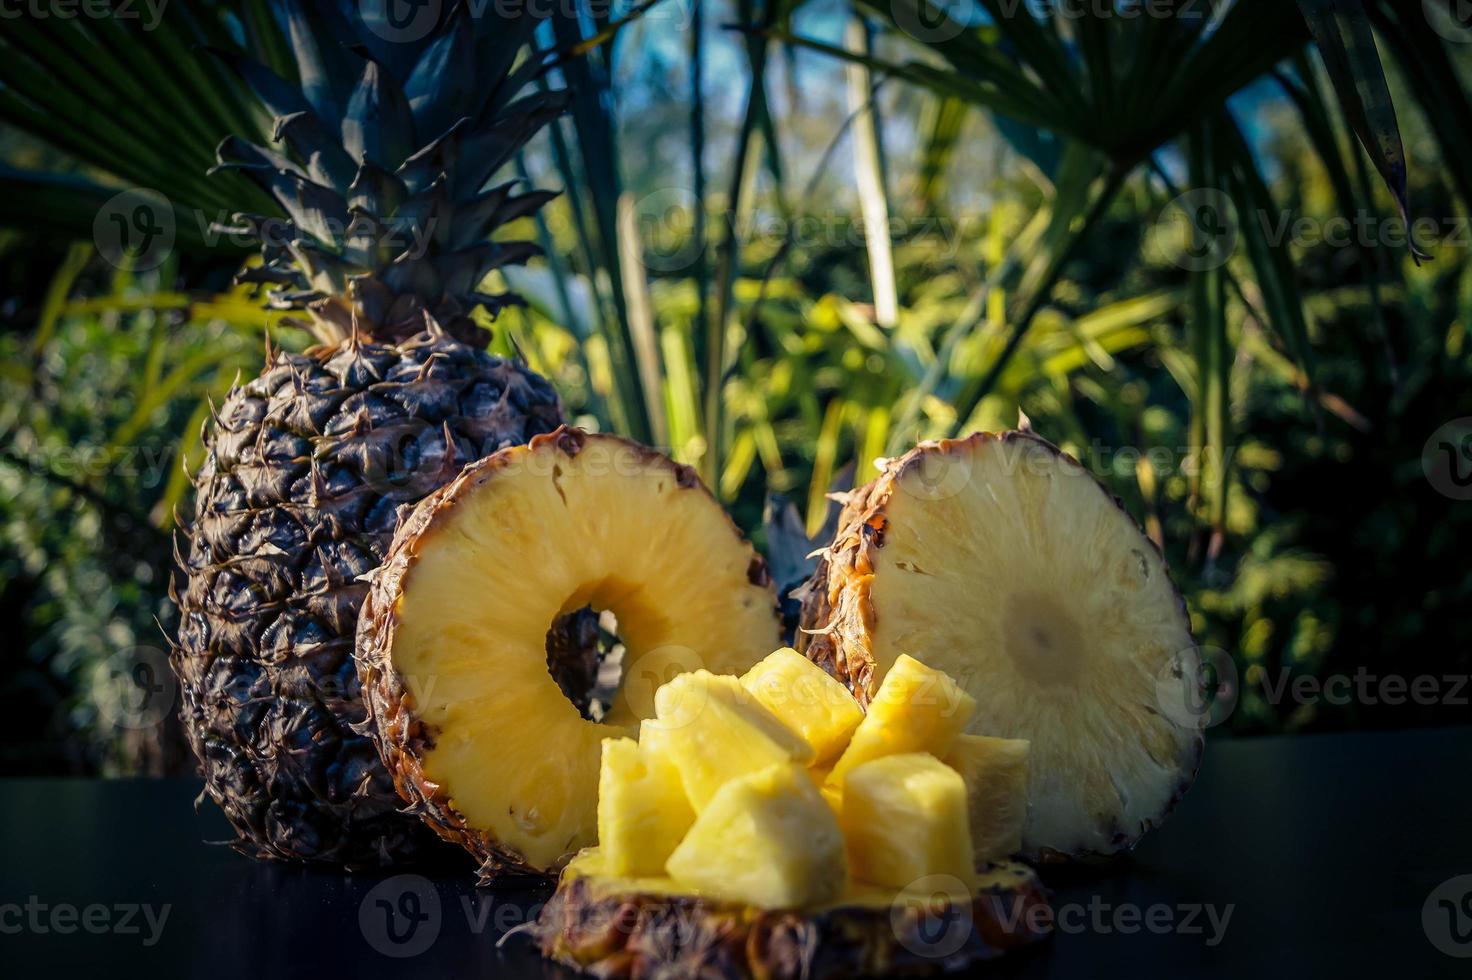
x=483 y=721
x=995 y=773
x=765 y=839
x=713 y=731
x=642 y=810
x=916 y=709
x=807 y=700
x=904 y=818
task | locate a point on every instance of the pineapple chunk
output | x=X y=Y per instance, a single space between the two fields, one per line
x=714 y=731
x=904 y=817
x=995 y=771
x=642 y=810
x=765 y=839
x=916 y=709
x=807 y=699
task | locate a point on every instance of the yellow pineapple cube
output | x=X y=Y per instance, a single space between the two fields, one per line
x=904 y=817
x=916 y=709
x=765 y=839
x=652 y=738
x=808 y=700
x=642 y=810
x=995 y=771
x=714 y=731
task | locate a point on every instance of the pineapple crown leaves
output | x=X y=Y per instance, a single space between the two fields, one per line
x=389 y=143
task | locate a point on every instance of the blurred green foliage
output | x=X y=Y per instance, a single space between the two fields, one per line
x=1301 y=527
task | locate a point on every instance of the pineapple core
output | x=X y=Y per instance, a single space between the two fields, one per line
x=713 y=731
x=995 y=771
x=916 y=709
x=642 y=810
x=904 y=817
x=765 y=839
x=807 y=700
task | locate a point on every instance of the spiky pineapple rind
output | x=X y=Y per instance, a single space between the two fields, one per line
x=404 y=739
x=295 y=499
x=616 y=933
x=837 y=619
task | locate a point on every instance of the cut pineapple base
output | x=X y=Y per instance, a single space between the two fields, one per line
x=1004 y=564
x=613 y=926
x=453 y=652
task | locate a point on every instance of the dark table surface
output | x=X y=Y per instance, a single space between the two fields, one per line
x=1325 y=855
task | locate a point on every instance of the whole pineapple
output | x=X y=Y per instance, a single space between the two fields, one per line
x=390 y=141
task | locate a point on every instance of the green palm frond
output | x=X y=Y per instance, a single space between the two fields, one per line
x=111 y=91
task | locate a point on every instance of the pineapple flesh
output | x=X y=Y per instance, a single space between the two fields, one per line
x=765 y=839
x=904 y=818
x=807 y=700
x=714 y=731
x=453 y=654
x=995 y=771
x=916 y=709
x=1000 y=561
x=642 y=810
x=770 y=881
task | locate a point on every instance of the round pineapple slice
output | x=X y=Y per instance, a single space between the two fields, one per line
x=471 y=713
x=612 y=926
x=1000 y=561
